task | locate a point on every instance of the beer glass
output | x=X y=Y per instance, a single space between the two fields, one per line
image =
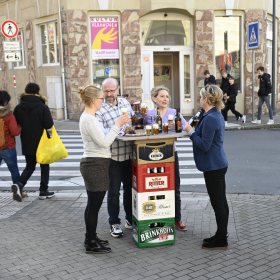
x=165 y=127
x=148 y=129
x=143 y=108
x=170 y=119
x=156 y=129
x=124 y=111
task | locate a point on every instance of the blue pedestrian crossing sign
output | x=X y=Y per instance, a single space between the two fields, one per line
x=253 y=38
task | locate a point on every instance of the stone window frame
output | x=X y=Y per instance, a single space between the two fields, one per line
x=242 y=32
x=120 y=46
x=39 y=44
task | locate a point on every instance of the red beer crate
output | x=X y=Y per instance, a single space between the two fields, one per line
x=163 y=180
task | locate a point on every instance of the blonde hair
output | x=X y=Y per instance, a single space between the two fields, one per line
x=156 y=90
x=214 y=95
x=88 y=93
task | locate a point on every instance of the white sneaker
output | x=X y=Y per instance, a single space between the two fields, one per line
x=257 y=121
x=116 y=230
x=270 y=122
x=128 y=225
x=225 y=123
x=243 y=118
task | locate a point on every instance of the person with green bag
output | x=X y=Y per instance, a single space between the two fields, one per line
x=33 y=115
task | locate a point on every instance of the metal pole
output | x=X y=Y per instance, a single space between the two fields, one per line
x=62 y=61
x=253 y=85
x=274 y=78
x=15 y=83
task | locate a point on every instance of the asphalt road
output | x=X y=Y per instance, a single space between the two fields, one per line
x=254 y=162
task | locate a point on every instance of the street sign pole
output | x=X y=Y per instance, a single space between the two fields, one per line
x=15 y=83
x=253 y=85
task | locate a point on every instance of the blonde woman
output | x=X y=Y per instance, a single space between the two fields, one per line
x=161 y=98
x=210 y=158
x=95 y=162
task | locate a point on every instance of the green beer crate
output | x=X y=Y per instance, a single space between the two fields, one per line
x=151 y=233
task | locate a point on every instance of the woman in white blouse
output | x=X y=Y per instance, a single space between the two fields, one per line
x=95 y=162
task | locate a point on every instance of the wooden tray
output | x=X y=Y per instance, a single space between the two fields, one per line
x=135 y=135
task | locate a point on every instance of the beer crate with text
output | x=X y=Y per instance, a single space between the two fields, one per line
x=153 y=205
x=153 y=152
x=153 y=177
x=156 y=232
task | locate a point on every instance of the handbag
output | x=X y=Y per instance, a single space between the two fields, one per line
x=50 y=149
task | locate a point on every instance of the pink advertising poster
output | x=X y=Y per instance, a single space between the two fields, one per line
x=104 y=38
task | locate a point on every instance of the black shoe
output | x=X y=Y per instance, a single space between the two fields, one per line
x=46 y=194
x=16 y=192
x=94 y=247
x=216 y=244
x=207 y=240
x=102 y=242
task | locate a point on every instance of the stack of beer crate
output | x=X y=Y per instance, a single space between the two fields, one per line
x=153 y=194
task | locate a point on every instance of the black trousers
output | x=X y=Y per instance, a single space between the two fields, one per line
x=94 y=203
x=30 y=168
x=230 y=106
x=177 y=190
x=216 y=188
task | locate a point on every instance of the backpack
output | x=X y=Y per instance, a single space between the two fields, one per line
x=2 y=133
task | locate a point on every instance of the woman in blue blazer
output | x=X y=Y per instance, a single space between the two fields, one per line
x=210 y=158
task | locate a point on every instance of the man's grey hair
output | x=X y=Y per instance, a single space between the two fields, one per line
x=108 y=79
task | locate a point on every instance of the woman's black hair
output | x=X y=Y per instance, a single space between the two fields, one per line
x=4 y=98
x=32 y=88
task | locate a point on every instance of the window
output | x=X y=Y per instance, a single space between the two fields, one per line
x=166 y=32
x=49 y=43
x=227 y=47
x=20 y=38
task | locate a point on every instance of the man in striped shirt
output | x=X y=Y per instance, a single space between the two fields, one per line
x=120 y=166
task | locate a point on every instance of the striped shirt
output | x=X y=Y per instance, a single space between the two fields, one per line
x=107 y=115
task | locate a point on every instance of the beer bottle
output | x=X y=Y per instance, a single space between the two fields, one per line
x=148 y=171
x=152 y=125
x=156 y=225
x=194 y=120
x=155 y=169
x=178 y=122
x=159 y=121
x=162 y=170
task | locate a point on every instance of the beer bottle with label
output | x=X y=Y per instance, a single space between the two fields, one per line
x=194 y=120
x=178 y=122
x=159 y=121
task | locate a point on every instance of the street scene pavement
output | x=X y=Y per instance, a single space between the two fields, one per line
x=44 y=239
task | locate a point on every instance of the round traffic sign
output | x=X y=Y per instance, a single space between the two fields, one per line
x=9 y=28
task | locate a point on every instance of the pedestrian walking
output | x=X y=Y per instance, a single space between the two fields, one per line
x=264 y=95
x=225 y=81
x=120 y=165
x=210 y=158
x=8 y=151
x=33 y=115
x=161 y=98
x=95 y=162
x=209 y=79
x=230 y=100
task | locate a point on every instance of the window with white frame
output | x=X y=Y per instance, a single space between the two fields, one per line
x=49 y=43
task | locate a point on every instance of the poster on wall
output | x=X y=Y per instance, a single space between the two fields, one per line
x=105 y=37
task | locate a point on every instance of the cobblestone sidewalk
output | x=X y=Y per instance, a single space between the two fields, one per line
x=44 y=240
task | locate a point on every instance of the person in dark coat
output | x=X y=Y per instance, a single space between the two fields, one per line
x=230 y=100
x=264 y=95
x=8 y=151
x=34 y=116
x=225 y=81
x=209 y=79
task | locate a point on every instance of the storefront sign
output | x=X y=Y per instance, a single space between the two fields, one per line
x=105 y=37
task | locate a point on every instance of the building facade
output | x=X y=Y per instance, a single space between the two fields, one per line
x=141 y=43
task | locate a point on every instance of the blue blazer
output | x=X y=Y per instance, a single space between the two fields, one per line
x=208 y=141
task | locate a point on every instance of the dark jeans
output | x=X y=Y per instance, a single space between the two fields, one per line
x=30 y=168
x=10 y=157
x=94 y=203
x=230 y=106
x=177 y=190
x=119 y=172
x=216 y=187
x=265 y=99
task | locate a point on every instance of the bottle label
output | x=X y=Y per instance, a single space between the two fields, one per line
x=160 y=182
x=157 y=235
x=178 y=125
